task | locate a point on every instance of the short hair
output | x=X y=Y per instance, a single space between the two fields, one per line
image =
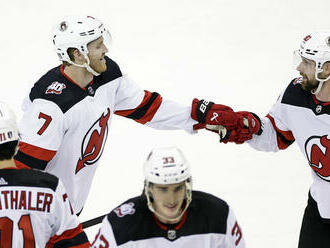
x=8 y=150
x=70 y=53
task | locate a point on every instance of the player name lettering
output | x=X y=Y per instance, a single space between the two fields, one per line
x=25 y=200
x=3 y=137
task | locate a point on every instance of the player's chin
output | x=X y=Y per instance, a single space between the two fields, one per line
x=100 y=67
x=172 y=212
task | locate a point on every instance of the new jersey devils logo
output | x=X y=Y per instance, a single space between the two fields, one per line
x=93 y=143
x=317 y=151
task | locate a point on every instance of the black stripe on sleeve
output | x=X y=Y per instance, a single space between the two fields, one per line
x=31 y=161
x=80 y=239
x=140 y=112
x=285 y=140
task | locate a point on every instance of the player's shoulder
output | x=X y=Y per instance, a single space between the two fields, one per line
x=209 y=205
x=28 y=178
x=129 y=220
x=113 y=71
x=129 y=212
x=295 y=95
x=55 y=89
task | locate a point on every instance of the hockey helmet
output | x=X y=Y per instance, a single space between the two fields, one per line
x=8 y=126
x=167 y=166
x=77 y=32
x=316 y=47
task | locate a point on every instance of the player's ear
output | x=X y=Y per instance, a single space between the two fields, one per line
x=326 y=68
x=78 y=57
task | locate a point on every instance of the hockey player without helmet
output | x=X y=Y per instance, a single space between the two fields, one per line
x=8 y=126
x=77 y=32
x=316 y=47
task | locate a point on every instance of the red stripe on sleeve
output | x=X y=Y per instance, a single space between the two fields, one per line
x=150 y=112
x=68 y=235
x=20 y=165
x=36 y=152
x=286 y=134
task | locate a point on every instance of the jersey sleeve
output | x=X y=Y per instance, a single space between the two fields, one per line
x=234 y=235
x=105 y=236
x=41 y=132
x=67 y=230
x=151 y=109
x=276 y=134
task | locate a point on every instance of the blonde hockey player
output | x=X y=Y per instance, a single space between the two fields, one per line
x=69 y=110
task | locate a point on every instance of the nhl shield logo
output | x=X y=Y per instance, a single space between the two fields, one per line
x=317 y=150
x=171 y=234
x=318 y=109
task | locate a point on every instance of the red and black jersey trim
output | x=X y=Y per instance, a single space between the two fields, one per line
x=284 y=138
x=33 y=156
x=30 y=161
x=294 y=95
x=166 y=226
x=71 y=238
x=72 y=93
x=146 y=110
x=206 y=214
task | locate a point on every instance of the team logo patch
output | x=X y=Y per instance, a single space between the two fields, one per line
x=298 y=80
x=125 y=209
x=55 y=88
x=317 y=150
x=94 y=141
x=307 y=37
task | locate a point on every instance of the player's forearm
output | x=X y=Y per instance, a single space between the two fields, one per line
x=172 y=115
x=267 y=140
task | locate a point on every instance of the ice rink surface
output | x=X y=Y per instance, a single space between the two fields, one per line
x=232 y=52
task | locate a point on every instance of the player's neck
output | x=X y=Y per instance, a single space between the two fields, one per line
x=79 y=75
x=324 y=94
x=7 y=164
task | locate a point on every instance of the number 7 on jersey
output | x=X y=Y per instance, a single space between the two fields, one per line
x=47 y=119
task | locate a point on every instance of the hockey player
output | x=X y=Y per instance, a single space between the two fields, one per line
x=169 y=213
x=34 y=208
x=302 y=113
x=69 y=110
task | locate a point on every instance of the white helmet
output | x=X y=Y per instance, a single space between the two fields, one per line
x=167 y=166
x=316 y=47
x=8 y=126
x=77 y=32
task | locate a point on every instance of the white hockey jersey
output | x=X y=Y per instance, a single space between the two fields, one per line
x=35 y=212
x=298 y=115
x=208 y=223
x=64 y=127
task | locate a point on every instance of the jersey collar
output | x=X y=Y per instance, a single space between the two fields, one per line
x=176 y=226
x=71 y=80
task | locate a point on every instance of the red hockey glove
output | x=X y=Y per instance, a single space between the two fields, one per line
x=249 y=124
x=208 y=113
